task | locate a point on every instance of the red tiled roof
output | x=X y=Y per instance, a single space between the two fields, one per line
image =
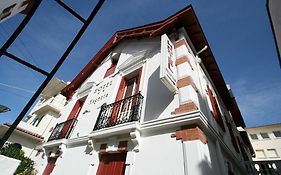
x=185 y=18
x=26 y=131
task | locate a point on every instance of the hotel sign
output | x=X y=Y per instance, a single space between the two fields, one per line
x=168 y=71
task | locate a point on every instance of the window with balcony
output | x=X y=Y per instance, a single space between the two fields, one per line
x=264 y=135
x=127 y=106
x=64 y=129
x=254 y=136
x=277 y=134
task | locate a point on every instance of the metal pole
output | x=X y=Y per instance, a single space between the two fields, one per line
x=19 y=29
x=52 y=73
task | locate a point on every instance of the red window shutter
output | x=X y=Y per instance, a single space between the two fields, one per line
x=112 y=164
x=111 y=69
x=119 y=96
x=73 y=114
x=139 y=79
x=50 y=166
x=216 y=112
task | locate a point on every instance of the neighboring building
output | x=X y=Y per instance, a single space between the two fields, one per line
x=39 y=124
x=266 y=141
x=147 y=104
x=9 y=8
x=274 y=13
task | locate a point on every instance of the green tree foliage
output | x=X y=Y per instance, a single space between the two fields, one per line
x=26 y=166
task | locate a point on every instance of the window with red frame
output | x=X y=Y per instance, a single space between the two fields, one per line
x=112 y=68
x=216 y=112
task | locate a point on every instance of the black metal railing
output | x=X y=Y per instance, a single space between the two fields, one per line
x=123 y=111
x=63 y=130
x=271 y=167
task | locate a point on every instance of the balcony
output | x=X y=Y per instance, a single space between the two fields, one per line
x=123 y=111
x=63 y=130
x=264 y=167
x=53 y=104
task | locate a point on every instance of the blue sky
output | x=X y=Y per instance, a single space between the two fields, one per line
x=238 y=32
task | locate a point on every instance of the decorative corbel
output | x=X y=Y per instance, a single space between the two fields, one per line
x=135 y=138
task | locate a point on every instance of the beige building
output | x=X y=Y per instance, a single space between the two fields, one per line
x=266 y=141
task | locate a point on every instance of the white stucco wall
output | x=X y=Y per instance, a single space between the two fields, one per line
x=8 y=165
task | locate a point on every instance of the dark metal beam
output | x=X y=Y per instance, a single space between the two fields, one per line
x=17 y=59
x=70 y=10
x=19 y=29
x=52 y=73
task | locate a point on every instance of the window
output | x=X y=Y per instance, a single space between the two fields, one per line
x=277 y=134
x=260 y=154
x=271 y=153
x=36 y=121
x=264 y=135
x=254 y=136
x=112 y=164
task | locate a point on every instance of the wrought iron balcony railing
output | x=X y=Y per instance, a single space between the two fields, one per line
x=270 y=167
x=63 y=130
x=123 y=111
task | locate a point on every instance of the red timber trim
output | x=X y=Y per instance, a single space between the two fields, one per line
x=188 y=107
x=50 y=166
x=183 y=59
x=190 y=132
x=186 y=81
x=216 y=112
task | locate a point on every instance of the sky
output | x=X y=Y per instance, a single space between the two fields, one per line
x=238 y=33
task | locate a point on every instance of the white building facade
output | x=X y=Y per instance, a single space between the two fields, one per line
x=266 y=141
x=147 y=104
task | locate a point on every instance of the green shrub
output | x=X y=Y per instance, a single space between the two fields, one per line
x=26 y=166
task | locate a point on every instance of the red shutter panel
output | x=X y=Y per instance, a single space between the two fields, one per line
x=112 y=164
x=116 y=108
x=139 y=79
x=216 y=112
x=73 y=114
x=111 y=69
x=50 y=166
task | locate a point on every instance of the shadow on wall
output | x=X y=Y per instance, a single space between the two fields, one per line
x=158 y=97
x=205 y=166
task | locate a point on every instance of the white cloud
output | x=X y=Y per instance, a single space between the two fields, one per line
x=259 y=103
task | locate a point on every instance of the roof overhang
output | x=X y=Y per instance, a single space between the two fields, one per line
x=24 y=132
x=185 y=18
